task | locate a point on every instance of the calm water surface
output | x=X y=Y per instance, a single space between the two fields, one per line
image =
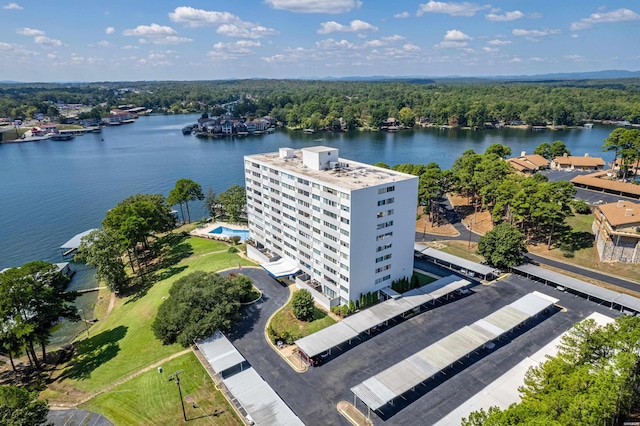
x=50 y=191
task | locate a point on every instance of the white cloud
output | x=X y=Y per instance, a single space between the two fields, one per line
x=170 y=40
x=535 y=15
x=315 y=6
x=515 y=60
x=451 y=8
x=109 y=30
x=508 y=16
x=130 y=46
x=410 y=47
x=29 y=32
x=575 y=58
x=46 y=41
x=456 y=35
x=450 y=44
x=619 y=15
x=331 y=44
x=152 y=30
x=354 y=26
x=536 y=59
x=490 y=49
x=194 y=18
x=498 y=42
x=51 y=56
x=401 y=15
x=237 y=44
x=574 y=35
x=12 y=6
x=232 y=30
x=533 y=34
x=104 y=43
x=274 y=58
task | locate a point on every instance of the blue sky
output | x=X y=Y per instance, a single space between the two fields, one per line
x=67 y=40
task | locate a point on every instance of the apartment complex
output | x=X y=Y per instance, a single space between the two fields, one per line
x=341 y=227
x=616 y=227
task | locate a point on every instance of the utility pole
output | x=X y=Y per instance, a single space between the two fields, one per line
x=84 y=316
x=177 y=377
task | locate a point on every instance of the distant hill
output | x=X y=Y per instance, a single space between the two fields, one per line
x=589 y=75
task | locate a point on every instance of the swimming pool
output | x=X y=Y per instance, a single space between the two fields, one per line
x=223 y=230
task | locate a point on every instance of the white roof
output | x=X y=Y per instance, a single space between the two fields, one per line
x=503 y=391
x=281 y=268
x=260 y=401
x=366 y=319
x=75 y=241
x=580 y=286
x=219 y=352
x=455 y=260
x=401 y=377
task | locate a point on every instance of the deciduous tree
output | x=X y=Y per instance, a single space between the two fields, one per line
x=503 y=246
x=302 y=303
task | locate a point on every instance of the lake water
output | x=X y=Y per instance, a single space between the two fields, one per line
x=51 y=191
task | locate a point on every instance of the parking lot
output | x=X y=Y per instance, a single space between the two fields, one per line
x=313 y=395
x=591 y=197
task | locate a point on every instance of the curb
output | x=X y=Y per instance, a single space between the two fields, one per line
x=266 y=337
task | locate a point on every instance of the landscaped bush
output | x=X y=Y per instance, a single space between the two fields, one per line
x=232 y=249
x=302 y=303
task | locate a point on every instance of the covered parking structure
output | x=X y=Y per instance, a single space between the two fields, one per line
x=384 y=387
x=310 y=347
x=455 y=263
x=562 y=282
x=247 y=389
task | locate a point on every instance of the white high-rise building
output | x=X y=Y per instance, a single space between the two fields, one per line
x=349 y=227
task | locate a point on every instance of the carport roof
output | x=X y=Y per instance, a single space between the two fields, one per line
x=325 y=339
x=219 y=352
x=260 y=401
x=478 y=268
x=569 y=282
x=378 y=390
x=366 y=319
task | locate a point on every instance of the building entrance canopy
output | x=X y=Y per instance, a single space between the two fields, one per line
x=280 y=268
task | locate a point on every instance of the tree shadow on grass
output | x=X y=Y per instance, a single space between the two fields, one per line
x=92 y=353
x=140 y=289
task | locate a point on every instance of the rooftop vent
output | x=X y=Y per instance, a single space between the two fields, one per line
x=628 y=212
x=620 y=203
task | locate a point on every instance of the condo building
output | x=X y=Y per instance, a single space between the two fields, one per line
x=338 y=227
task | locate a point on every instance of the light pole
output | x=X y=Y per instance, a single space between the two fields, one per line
x=84 y=316
x=177 y=377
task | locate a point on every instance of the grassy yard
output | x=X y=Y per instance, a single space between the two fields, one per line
x=284 y=324
x=424 y=279
x=124 y=343
x=458 y=248
x=152 y=399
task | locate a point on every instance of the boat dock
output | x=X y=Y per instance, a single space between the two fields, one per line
x=71 y=246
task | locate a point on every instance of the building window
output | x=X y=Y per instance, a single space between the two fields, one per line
x=383 y=268
x=384 y=236
x=385 y=224
x=385 y=278
x=383 y=258
x=387 y=201
x=386 y=189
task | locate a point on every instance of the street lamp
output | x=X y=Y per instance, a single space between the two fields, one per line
x=177 y=377
x=86 y=327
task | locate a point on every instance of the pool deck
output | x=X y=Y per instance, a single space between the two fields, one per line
x=203 y=230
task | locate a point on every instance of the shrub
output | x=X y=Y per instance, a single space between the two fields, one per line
x=235 y=239
x=568 y=253
x=232 y=249
x=302 y=303
x=581 y=207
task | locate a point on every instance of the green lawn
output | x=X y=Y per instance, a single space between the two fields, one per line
x=424 y=279
x=151 y=399
x=124 y=343
x=202 y=246
x=284 y=324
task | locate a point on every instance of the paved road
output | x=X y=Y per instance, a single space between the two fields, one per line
x=466 y=235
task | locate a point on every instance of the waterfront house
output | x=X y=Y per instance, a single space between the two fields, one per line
x=528 y=164
x=617 y=231
x=573 y=162
x=633 y=168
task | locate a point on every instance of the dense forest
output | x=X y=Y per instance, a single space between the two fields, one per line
x=322 y=104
